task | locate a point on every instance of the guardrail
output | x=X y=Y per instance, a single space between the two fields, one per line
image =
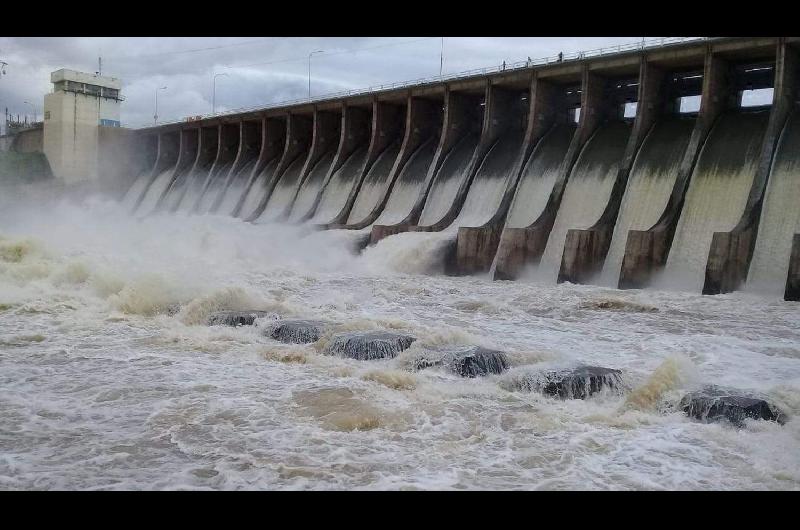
x=506 y=67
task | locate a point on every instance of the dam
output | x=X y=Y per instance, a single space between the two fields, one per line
x=642 y=167
x=415 y=286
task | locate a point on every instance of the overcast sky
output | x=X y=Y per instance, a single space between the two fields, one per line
x=261 y=70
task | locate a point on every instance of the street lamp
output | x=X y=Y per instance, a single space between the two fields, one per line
x=34 y=110
x=441 y=58
x=214 y=93
x=155 y=114
x=309 y=71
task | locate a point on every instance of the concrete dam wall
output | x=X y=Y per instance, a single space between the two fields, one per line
x=602 y=170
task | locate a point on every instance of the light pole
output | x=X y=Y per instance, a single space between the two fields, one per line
x=309 y=71
x=155 y=114
x=214 y=93
x=34 y=110
x=441 y=58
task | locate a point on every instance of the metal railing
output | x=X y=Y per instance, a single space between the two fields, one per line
x=476 y=72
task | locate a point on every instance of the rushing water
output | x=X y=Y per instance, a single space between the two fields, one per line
x=487 y=189
x=649 y=186
x=449 y=178
x=408 y=185
x=716 y=197
x=101 y=389
x=587 y=192
x=780 y=217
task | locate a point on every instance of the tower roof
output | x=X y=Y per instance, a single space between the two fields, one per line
x=65 y=74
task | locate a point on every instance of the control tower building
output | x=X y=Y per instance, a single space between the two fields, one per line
x=75 y=114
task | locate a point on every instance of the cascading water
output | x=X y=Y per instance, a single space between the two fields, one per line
x=650 y=184
x=137 y=188
x=258 y=190
x=539 y=175
x=286 y=188
x=105 y=351
x=408 y=185
x=448 y=180
x=235 y=188
x=780 y=216
x=716 y=196
x=375 y=184
x=335 y=194
x=184 y=200
x=155 y=191
x=215 y=186
x=310 y=188
x=487 y=189
x=587 y=192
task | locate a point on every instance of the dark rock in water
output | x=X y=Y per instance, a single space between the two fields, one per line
x=577 y=383
x=369 y=345
x=617 y=305
x=237 y=318
x=296 y=331
x=715 y=404
x=470 y=361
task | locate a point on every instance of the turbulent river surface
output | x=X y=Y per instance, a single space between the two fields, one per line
x=104 y=386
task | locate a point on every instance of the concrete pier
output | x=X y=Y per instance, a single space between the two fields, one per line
x=249 y=145
x=422 y=120
x=336 y=163
x=325 y=140
x=482 y=116
x=227 y=148
x=731 y=252
x=206 y=153
x=461 y=115
x=187 y=156
x=477 y=246
x=356 y=133
x=388 y=128
x=585 y=249
x=298 y=138
x=273 y=140
x=166 y=157
x=792 y=292
x=519 y=247
x=646 y=251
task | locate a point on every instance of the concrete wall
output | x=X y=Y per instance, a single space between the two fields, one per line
x=793 y=279
x=731 y=252
x=519 y=247
x=374 y=119
x=476 y=247
x=28 y=141
x=646 y=251
x=585 y=250
x=71 y=133
x=119 y=156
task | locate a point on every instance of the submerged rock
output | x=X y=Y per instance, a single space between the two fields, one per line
x=237 y=318
x=369 y=345
x=616 y=304
x=296 y=331
x=576 y=383
x=173 y=309
x=469 y=361
x=715 y=404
